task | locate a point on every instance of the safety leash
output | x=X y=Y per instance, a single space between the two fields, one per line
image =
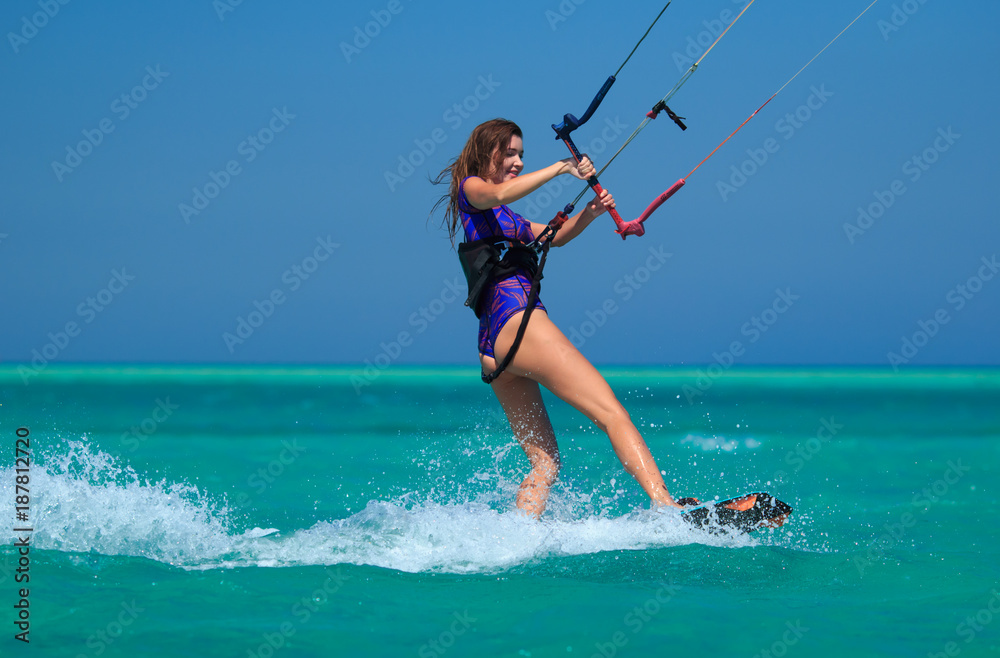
x=635 y=227
x=541 y=243
x=571 y=123
x=661 y=105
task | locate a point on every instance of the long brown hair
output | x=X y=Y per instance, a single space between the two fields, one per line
x=483 y=155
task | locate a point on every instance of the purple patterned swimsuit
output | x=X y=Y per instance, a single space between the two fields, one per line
x=500 y=299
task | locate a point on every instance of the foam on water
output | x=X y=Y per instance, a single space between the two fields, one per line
x=713 y=443
x=468 y=538
x=84 y=501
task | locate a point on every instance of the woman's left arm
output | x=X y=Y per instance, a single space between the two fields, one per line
x=574 y=226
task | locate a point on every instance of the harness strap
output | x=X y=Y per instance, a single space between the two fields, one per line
x=532 y=298
x=482 y=262
x=479 y=266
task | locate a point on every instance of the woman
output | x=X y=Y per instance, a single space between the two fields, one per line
x=484 y=178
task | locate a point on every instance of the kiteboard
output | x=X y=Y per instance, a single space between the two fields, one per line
x=744 y=513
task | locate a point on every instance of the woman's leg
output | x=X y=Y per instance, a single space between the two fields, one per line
x=546 y=356
x=522 y=402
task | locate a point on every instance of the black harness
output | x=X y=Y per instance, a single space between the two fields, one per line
x=491 y=259
x=495 y=259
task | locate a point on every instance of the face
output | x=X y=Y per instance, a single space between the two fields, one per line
x=512 y=164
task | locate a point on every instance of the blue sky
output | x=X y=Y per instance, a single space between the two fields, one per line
x=267 y=164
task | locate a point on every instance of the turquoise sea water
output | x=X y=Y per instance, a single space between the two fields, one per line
x=266 y=511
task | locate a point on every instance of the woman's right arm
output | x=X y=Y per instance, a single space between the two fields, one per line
x=484 y=195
